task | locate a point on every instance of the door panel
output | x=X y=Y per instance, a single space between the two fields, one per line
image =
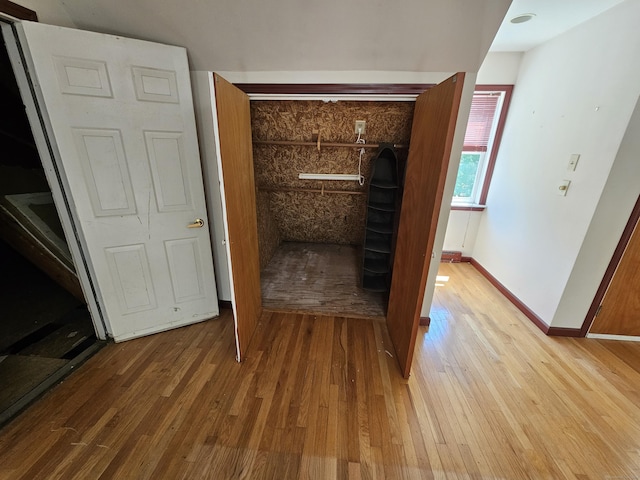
x=129 y=267
x=434 y=121
x=121 y=124
x=167 y=163
x=620 y=306
x=106 y=171
x=235 y=156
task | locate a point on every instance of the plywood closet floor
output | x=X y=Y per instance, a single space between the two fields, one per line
x=318 y=278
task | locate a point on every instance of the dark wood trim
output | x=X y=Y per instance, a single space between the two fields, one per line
x=564 y=332
x=225 y=304
x=469 y=208
x=611 y=268
x=334 y=88
x=449 y=256
x=473 y=148
x=546 y=329
x=17 y=11
x=425 y=321
x=464 y=259
x=491 y=87
x=508 y=90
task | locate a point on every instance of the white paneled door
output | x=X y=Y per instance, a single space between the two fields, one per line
x=120 y=120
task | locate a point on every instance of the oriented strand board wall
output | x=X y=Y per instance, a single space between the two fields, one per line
x=268 y=233
x=308 y=216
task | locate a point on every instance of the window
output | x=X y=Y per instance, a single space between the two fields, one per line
x=481 y=141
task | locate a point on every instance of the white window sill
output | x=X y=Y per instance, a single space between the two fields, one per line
x=473 y=207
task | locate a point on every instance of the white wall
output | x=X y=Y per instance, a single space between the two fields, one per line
x=334 y=77
x=497 y=69
x=608 y=222
x=574 y=94
x=462 y=229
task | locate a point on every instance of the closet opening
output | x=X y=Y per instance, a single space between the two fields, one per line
x=311 y=232
x=45 y=327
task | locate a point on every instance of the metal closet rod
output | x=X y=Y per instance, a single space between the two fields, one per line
x=311 y=190
x=323 y=144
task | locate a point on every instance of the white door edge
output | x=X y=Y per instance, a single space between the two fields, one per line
x=216 y=136
x=49 y=155
x=606 y=336
x=146 y=331
x=6 y=18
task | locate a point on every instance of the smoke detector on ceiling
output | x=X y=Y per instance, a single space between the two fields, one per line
x=525 y=17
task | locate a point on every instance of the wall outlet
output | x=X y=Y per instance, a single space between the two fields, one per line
x=360 y=127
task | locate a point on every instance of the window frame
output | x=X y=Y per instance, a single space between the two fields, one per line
x=479 y=202
x=480 y=171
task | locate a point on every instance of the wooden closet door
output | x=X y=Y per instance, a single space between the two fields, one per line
x=620 y=306
x=232 y=127
x=434 y=122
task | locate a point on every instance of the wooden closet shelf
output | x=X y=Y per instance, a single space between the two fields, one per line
x=310 y=190
x=322 y=144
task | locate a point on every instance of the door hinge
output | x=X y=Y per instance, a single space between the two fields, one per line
x=598 y=310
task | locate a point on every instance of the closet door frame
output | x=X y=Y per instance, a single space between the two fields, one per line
x=438 y=218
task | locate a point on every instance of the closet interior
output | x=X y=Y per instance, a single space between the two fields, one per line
x=311 y=232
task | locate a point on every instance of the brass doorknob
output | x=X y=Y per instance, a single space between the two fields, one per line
x=197 y=223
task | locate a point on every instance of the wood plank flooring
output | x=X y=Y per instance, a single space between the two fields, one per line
x=490 y=397
x=318 y=278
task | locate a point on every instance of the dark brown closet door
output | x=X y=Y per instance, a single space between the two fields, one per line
x=236 y=157
x=434 y=122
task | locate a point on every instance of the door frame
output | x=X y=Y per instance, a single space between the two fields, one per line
x=390 y=92
x=49 y=154
x=616 y=258
x=10 y=11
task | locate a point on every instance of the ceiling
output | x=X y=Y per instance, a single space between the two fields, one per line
x=306 y=35
x=331 y=35
x=553 y=17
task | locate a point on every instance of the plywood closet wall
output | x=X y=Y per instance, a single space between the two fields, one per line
x=287 y=208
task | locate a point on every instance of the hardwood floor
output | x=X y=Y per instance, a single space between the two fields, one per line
x=490 y=397
x=319 y=278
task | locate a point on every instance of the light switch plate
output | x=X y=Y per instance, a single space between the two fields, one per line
x=573 y=162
